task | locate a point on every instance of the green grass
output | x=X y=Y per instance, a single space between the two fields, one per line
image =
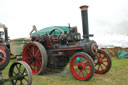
x=118 y=75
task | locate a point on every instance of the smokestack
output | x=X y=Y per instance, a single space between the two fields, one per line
x=6 y=33
x=84 y=12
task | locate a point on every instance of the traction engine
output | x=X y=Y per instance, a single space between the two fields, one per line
x=56 y=49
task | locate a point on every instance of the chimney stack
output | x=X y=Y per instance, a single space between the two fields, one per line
x=84 y=12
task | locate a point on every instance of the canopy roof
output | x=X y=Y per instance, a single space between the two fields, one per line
x=48 y=29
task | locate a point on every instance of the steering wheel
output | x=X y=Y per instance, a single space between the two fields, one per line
x=56 y=37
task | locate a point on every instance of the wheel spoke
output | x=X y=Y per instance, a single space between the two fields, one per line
x=87 y=64
x=79 y=73
x=105 y=60
x=86 y=71
x=33 y=51
x=38 y=58
x=27 y=58
x=17 y=68
x=14 y=72
x=25 y=79
x=38 y=55
x=29 y=62
x=24 y=70
x=38 y=64
x=104 y=65
x=98 y=67
x=103 y=57
x=15 y=82
x=29 y=53
x=38 y=51
x=82 y=73
x=101 y=68
x=21 y=83
x=35 y=66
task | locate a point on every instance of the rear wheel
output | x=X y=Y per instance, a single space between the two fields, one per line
x=102 y=62
x=34 y=54
x=4 y=56
x=82 y=66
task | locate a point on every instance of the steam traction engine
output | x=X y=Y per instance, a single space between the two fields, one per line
x=54 y=51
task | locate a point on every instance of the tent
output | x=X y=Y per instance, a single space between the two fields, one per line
x=122 y=54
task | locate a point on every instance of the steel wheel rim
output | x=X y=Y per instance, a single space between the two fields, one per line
x=22 y=73
x=32 y=56
x=84 y=72
x=2 y=56
x=103 y=62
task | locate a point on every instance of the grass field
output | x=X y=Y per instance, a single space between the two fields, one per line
x=118 y=75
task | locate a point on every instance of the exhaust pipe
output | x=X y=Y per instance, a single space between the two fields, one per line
x=84 y=13
x=6 y=33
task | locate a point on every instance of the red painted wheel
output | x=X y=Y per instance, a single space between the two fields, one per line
x=82 y=66
x=34 y=54
x=103 y=62
x=4 y=56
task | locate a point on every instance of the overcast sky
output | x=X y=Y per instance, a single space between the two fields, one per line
x=105 y=16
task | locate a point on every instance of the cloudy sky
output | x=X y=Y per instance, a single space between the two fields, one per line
x=105 y=16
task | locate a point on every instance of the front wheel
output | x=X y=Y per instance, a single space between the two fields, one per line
x=103 y=62
x=82 y=66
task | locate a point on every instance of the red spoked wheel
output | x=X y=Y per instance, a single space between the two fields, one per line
x=4 y=56
x=82 y=66
x=34 y=54
x=102 y=62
